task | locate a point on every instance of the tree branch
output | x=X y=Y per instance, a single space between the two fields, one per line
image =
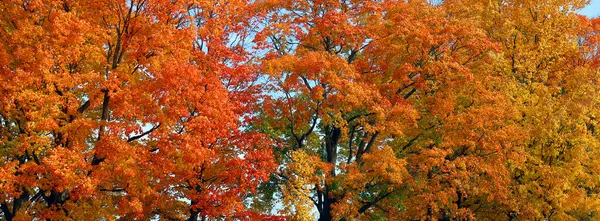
x=368 y=205
x=131 y=139
x=7 y=214
x=84 y=107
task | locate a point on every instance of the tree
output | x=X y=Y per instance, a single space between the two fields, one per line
x=388 y=110
x=341 y=109
x=551 y=80
x=127 y=110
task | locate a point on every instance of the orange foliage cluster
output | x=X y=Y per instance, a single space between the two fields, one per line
x=128 y=110
x=454 y=110
x=310 y=109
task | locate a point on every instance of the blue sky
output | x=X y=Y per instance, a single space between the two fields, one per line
x=592 y=10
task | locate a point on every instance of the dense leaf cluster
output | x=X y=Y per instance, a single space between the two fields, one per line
x=299 y=110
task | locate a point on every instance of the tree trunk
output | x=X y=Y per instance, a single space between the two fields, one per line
x=325 y=213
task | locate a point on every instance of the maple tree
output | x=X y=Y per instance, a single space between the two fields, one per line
x=414 y=110
x=386 y=122
x=552 y=82
x=127 y=110
x=336 y=109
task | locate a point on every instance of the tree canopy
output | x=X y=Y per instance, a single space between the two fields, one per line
x=299 y=110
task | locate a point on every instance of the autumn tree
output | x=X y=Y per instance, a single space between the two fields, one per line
x=548 y=60
x=336 y=109
x=388 y=109
x=127 y=110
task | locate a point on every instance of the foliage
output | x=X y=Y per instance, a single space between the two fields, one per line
x=341 y=110
x=454 y=110
x=127 y=110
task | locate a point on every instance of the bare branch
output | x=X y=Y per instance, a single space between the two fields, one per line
x=131 y=139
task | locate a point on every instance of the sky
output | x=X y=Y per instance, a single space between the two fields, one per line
x=592 y=10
